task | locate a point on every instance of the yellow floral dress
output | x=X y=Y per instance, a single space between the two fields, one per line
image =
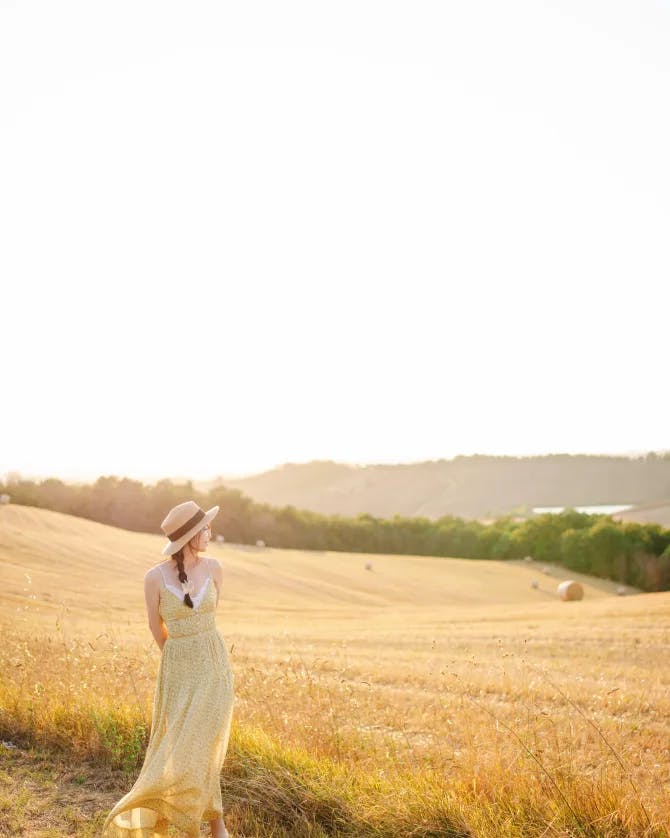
x=179 y=782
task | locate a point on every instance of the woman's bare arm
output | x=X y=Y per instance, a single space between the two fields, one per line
x=152 y=595
x=217 y=575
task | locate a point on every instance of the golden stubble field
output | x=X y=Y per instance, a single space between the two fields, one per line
x=525 y=714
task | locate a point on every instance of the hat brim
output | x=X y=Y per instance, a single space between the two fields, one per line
x=172 y=546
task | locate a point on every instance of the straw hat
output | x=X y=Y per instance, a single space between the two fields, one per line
x=183 y=522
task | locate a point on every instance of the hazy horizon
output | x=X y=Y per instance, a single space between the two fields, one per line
x=87 y=477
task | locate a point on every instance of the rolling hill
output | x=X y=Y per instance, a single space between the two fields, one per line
x=57 y=567
x=472 y=487
x=650 y=513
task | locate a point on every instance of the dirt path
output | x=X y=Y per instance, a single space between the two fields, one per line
x=46 y=796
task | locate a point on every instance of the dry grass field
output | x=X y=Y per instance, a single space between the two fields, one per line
x=423 y=697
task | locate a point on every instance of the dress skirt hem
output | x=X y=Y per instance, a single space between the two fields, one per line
x=166 y=815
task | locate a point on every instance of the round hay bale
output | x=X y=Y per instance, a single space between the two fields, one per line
x=368 y=565
x=621 y=591
x=4 y=498
x=534 y=584
x=528 y=559
x=220 y=538
x=260 y=543
x=570 y=590
x=546 y=570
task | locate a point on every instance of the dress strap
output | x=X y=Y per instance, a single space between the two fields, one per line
x=160 y=569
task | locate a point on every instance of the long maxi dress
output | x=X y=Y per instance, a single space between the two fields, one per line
x=179 y=782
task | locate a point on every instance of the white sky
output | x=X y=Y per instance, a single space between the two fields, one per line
x=240 y=234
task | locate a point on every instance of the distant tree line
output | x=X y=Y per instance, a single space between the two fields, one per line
x=626 y=552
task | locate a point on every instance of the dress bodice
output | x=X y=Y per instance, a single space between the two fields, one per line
x=182 y=621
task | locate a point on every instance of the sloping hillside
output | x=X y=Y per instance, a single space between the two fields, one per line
x=651 y=513
x=55 y=565
x=472 y=487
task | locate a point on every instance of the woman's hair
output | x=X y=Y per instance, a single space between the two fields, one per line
x=179 y=558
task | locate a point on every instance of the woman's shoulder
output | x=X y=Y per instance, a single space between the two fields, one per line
x=212 y=562
x=215 y=570
x=155 y=570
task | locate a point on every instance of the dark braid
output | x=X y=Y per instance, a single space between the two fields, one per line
x=179 y=557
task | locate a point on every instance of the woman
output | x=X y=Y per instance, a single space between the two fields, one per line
x=193 y=701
